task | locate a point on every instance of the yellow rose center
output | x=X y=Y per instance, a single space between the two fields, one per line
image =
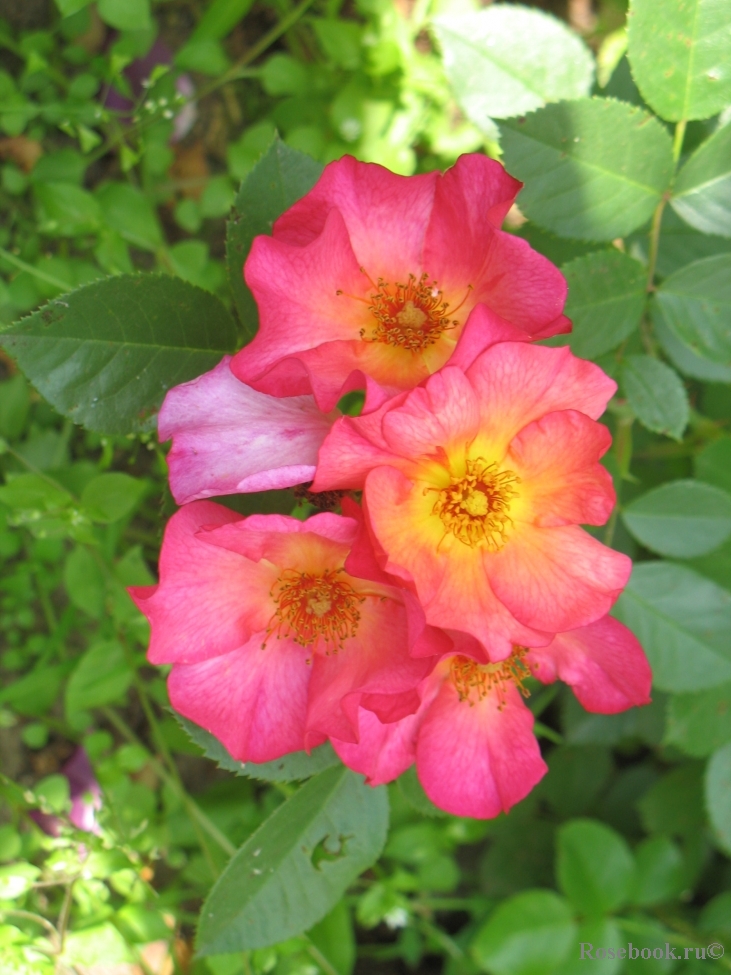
x=314 y=608
x=476 y=508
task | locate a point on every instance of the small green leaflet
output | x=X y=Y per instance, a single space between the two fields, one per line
x=695 y=304
x=293 y=870
x=594 y=168
x=656 y=394
x=506 y=60
x=106 y=354
x=718 y=796
x=699 y=723
x=278 y=180
x=594 y=867
x=289 y=768
x=680 y=53
x=681 y=519
x=702 y=191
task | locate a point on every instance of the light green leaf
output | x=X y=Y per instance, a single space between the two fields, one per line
x=682 y=621
x=718 y=796
x=65 y=210
x=659 y=874
x=656 y=394
x=594 y=168
x=700 y=723
x=100 y=945
x=16 y=879
x=681 y=244
x=712 y=464
x=683 y=357
x=101 y=677
x=597 y=937
x=290 y=768
x=133 y=15
x=220 y=18
x=278 y=180
x=69 y=7
x=606 y=299
x=109 y=497
x=334 y=937
x=128 y=211
x=506 y=60
x=531 y=933
x=294 y=869
x=204 y=54
x=681 y=56
x=594 y=866
x=680 y=519
x=84 y=582
x=695 y=304
x=702 y=191
x=106 y=354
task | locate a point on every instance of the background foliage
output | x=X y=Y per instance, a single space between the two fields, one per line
x=628 y=189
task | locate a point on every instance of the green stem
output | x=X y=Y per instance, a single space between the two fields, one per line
x=678 y=139
x=655 y=243
x=37 y=919
x=36 y=272
x=321 y=960
x=38 y=472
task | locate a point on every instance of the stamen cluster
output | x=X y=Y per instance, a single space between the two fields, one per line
x=315 y=609
x=476 y=508
x=410 y=316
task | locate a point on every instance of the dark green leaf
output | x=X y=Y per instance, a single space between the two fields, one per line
x=695 y=303
x=681 y=244
x=413 y=791
x=606 y=299
x=334 y=937
x=576 y=776
x=278 y=180
x=84 y=582
x=681 y=518
x=289 y=768
x=702 y=191
x=682 y=620
x=594 y=866
x=712 y=464
x=531 y=933
x=659 y=874
x=34 y=693
x=66 y=210
x=680 y=53
x=109 y=497
x=656 y=394
x=297 y=865
x=100 y=677
x=596 y=936
x=128 y=211
x=700 y=723
x=674 y=805
x=718 y=796
x=220 y=18
x=132 y=15
x=506 y=60
x=106 y=354
x=593 y=168
x=683 y=357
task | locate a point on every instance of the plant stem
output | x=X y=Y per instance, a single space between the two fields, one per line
x=36 y=272
x=63 y=918
x=37 y=919
x=655 y=243
x=678 y=139
x=321 y=960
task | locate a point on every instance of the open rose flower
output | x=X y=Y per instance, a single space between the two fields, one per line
x=274 y=646
x=475 y=485
x=371 y=280
x=472 y=737
x=229 y=438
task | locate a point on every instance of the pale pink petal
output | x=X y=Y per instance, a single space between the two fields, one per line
x=556 y=578
x=477 y=759
x=517 y=383
x=209 y=601
x=603 y=662
x=384 y=751
x=229 y=438
x=562 y=482
x=253 y=700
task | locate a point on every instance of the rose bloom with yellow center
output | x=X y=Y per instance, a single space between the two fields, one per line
x=474 y=487
x=374 y=280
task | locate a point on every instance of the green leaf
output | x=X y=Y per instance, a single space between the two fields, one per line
x=34 y=693
x=506 y=60
x=205 y=55
x=594 y=935
x=594 y=866
x=66 y=210
x=606 y=299
x=702 y=190
x=278 y=180
x=413 y=791
x=101 y=677
x=695 y=303
x=680 y=55
x=14 y=406
x=683 y=358
x=674 y=805
x=69 y=7
x=84 y=582
x=700 y=723
x=106 y=354
x=334 y=937
x=718 y=796
x=659 y=874
x=656 y=394
x=290 y=768
x=681 y=244
x=109 y=497
x=128 y=211
x=594 y=168
x=712 y=464
x=531 y=933
x=133 y=15
x=681 y=518
x=297 y=865
x=682 y=620
x=220 y=18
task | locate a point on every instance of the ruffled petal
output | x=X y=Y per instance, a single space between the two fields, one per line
x=229 y=438
x=383 y=751
x=603 y=662
x=209 y=601
x=253 y=700
x=477 y=758
x=556 y=578
x=482 y=330
x=562 y=482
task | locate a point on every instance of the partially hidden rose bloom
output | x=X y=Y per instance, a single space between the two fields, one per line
x=228 y=438
x=475 y=485
x=84 y=793
x=372 y=279
x=273 y=645
x=472 y=737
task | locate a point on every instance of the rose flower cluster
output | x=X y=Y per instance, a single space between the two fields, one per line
x=408 y=628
